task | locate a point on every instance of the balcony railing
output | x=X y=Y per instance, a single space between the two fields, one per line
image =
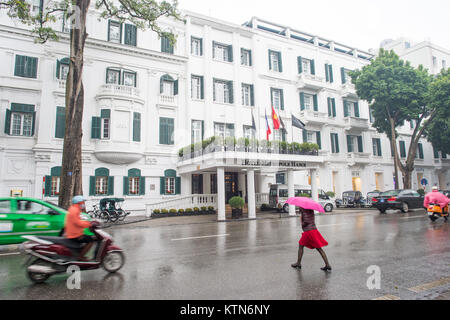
x=168 y=100
x=306 y=80
x=353 y=122
x=311 y=116
x=121 y=90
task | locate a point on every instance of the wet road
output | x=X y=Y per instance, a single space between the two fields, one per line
x=251 y=260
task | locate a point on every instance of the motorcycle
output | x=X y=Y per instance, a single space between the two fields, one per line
x=435 y=211
x=52 y=255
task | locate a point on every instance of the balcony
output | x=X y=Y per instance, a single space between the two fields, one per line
x=118 y=152
x=120 y=92
x=348 y=90
x=313 y=117
x=358 y=157
x=356 y=124
x=309 y=81
x=168 y=101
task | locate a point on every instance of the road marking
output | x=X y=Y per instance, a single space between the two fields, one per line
x=202 y=237
x=388 y=297
x=431 y=285
x=414 y=217
x=9 y=254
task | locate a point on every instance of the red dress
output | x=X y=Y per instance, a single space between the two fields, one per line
x=311 y=237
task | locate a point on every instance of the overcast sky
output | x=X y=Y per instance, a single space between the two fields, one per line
x=357 y=23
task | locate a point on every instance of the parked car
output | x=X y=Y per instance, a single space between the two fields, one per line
x=370 y=196
x=351 y=199
x=278 y=196
x=29 y=216
x=403 y=200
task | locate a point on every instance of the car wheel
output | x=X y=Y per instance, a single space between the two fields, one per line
x=382 y=210
x=328 y=207
x=405 y=207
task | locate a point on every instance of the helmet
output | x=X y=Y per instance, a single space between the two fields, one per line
x=435 y=188
x=78 y=199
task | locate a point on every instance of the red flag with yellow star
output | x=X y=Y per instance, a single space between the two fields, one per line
x=276 y=120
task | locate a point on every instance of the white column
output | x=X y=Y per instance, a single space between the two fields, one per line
x=251 y=194
x=221 y=193
x=314 y=191
x=291 y=191
x=241 y=184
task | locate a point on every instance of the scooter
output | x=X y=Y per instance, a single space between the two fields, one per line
x=52 y=255
x=435 y=211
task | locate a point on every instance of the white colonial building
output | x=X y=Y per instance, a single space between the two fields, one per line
x=145 y=100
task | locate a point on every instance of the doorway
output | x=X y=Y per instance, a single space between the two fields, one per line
x=356 y=183
x=379 y=181
x=197 y=184
x=231 y=185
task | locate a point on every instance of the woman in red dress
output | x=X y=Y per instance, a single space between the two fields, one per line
x=311 y=238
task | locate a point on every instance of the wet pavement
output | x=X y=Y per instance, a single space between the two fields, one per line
x=201 y=259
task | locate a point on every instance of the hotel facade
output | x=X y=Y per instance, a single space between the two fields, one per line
x=145 y=100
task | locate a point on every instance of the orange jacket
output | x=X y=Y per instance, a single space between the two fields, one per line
x=74 y=225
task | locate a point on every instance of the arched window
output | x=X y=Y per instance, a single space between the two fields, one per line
x=101 y=184
x=62 y=68
x=168 y=85
x=134 y=183
x=170 y=184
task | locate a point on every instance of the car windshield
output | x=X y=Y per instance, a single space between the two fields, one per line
x=390 y=193
x=349 y=194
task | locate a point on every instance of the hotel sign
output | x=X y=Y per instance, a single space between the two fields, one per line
x=269 y=163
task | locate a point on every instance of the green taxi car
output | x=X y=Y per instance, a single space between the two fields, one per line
x=30 y=216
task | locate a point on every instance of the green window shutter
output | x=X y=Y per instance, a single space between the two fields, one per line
x=136 y=126
x=162 y=185
x=313 y=67
x=96 y=127
x=110 y=186
x=346 y=111
x=31 y=70
x=142 y=186
x=349 y=144
x=250 y=58
x=55 y=171
x=336 y=137
x=420 y=151
x=280 y=63
x=316 y=105
x=435 y=153
x=92 y=185
x=282 y=99
x=125 y=186
x=202 y=88
x=360 y=144
x=327 y=77
x=305 y=135
x=60 y=122
x=48 y=185
x=130 y=34
x=175 y=87
x=270 y=60
x=109 y=28
x=8 y=122
x=105 y=113
x=330 y=113
x=201 y=47
x=343 y=76
x=252 y=95
x=230 y=90
x=333 y=149
x=356 y=106
x=58 y=67
x=402 y=149
x=299 y=63
x=319 y=141
x=333 y=103
x=379 y=147
x=230 y=53
x=163 y=131
x=19 y=67
x=330 y=68
x=177 y=185
x=203 y=129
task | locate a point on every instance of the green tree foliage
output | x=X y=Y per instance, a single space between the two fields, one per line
x=438 y=133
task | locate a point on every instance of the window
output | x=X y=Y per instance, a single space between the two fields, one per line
x=114 y=31
x=197 y=91
x=277 y=98
x=62 y=68
x=312 y=137
x=419 y=151
x=223 y=130
x=5 y=206
x=223 y=91
x=134 y=183
x=166 y=46
x=222 y=52
x=196 y=131
x=279 y=135
x=334 y=143
x=26 y=67
x=354 y=144
x=196 y=46
x=52 y=182
x=345 y=77
x=101 y=183
x=247 y=95
x=101 y=126
x=275 y=63
x=168 y=86
x=130 y=35
x=166 y=129
x=249 y=132
x=351 y=109
x=170 y=183
x=331 y=107
x=306 y=66
x=308 y=102
x=246 y=57
x=20 y=120
x=120 y=77
x=105 y=128
x=444 y=64
x=36 y=7
x=55 y=186
x=329 y=73
x=376 y=146
x=434 y=61
x=280 y=178
x=402 y=149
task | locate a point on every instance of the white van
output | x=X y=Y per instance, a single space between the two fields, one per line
x=279 y=194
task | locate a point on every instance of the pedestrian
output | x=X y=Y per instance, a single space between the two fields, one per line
x=311 y=238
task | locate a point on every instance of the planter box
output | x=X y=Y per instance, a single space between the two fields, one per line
x=236 y=213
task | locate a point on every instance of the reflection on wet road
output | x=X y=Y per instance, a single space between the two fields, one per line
x=251 y=260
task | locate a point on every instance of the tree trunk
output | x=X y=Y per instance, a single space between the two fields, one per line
x=394 y=149
x=71 y=173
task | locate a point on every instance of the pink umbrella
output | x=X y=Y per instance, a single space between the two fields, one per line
x=305 y=203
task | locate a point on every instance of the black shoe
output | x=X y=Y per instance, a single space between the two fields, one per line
x=326 y=268
x=295 y=265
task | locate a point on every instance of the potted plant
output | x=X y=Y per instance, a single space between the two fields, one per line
x=252 y=145
x=196 y=211
x=211 y=210
x=283 y=147
x=156 y=213
x=164 y=212
x=236 y=204
x=181 y=212
x=203 y=210
x=230 y=143
x=172 y=213
x=189 y=211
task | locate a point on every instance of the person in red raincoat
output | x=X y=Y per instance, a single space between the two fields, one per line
x=311 y=238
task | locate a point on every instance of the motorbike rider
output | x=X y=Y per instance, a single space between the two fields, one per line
x=436 y=197
x=74 y=226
